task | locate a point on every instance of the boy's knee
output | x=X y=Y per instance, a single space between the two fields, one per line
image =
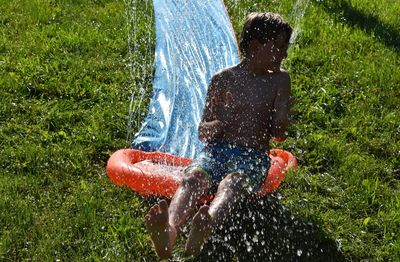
x=234 y=181
x=195 y=178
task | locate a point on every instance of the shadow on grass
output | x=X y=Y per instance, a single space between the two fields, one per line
x=264 y=230
x=371 y=24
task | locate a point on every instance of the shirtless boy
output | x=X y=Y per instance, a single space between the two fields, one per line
x=246 y=105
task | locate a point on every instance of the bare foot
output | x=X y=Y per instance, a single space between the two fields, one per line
x=201 y=231
x=161 y=233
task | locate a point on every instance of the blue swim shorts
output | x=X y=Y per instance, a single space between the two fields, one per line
x=218 y=160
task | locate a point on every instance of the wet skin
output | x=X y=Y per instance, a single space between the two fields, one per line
x=245 y=105
x=249 y=103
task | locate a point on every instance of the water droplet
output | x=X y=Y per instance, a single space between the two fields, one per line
x=299 y=252
x=255 y=239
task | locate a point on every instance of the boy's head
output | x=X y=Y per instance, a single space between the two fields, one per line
x=263 y=27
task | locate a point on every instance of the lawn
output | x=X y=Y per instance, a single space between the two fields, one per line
x=66 y=82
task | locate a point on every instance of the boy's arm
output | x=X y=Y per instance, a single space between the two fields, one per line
x=210 y=127
x=280 y=119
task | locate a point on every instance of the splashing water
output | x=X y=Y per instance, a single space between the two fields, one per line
x=139 y=18
x=196 y=60
x=297 y=15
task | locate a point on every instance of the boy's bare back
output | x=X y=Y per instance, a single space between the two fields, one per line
x=253 y=107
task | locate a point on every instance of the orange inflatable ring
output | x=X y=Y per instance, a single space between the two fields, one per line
x=159 y=174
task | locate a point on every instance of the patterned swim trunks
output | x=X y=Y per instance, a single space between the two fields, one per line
x=218 y=160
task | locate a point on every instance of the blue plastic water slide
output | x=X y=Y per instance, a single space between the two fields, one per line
x=194 y=40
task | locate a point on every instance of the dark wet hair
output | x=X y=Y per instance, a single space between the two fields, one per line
x=263 y=27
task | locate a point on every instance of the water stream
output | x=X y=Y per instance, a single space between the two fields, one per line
x=194 y=39
x=139 y=17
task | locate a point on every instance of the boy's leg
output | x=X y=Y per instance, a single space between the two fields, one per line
x=231 y=191
x=164 y=224
x=184 y=203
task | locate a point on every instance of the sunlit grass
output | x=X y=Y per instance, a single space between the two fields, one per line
x=65 y=90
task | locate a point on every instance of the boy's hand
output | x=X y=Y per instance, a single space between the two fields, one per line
x=225 y=109
x=214 y=104
x=208 y=131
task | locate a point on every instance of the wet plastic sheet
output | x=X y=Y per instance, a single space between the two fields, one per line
x=194 y=40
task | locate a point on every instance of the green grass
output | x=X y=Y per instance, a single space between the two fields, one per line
x=65 y=89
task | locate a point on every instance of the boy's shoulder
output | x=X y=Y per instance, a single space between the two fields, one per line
x=282 y=73
x=223 y=77
x=225 y=73
x=282 y=77
x=277 y=78
x=234 y=72
x=282 y=82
